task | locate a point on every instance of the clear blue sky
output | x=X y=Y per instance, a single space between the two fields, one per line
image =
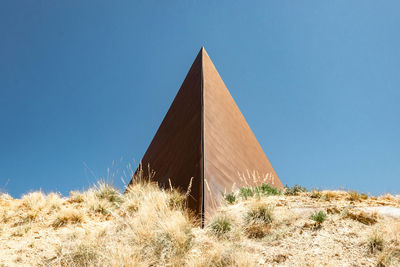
x=88 y=82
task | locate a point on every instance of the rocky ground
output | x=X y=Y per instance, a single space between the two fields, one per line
x=150 y=227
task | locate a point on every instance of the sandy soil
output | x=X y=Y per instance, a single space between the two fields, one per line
x=28 y=236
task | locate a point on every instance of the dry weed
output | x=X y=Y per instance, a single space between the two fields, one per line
x=376 y=242
x=68 y=216
x=353 y=196
x=362 y=217
x=76 y=197
x=258 y=219
x=220 y=224
x=315 y=194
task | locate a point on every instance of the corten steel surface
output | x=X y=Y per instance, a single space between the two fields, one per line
x=205 y=136
x=230 y=146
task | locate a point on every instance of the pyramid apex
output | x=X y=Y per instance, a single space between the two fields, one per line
x=203 y=50
x=204 y=54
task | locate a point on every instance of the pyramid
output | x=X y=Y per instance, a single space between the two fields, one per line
x=204 y=136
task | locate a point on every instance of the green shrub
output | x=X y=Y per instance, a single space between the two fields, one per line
x=230 y=198
x=267 y=190
x=261 y=190
x=246 y=192
x=294 y=190
x=319 y=217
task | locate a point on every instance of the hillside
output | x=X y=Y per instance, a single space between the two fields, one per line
x=150 y=227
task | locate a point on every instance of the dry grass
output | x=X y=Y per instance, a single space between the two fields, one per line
x=148 y=226
x=68 y=215
x=362 y=217
x=220 y=225
x=258 y=220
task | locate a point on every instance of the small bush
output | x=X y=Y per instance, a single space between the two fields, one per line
x=315 y=194
x=34 y=201
x=67 y=216
x=102 y=207
x=177 y=200
x=318 y=217
x=109 y=193
x=261 y=190
x=220 y=225
x=28 y=217
x=230 y=198
x=364 y=196
x=375 y=243
x=258 y=220
x=353 y=196
x=294 y=190
x=246 y=192
x=328 y=196
x=260 y=213
x=267 y=190
x=76 y=197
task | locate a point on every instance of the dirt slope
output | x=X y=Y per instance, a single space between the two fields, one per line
x=150 y=227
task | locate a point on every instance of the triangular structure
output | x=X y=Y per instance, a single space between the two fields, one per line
x=205 y=136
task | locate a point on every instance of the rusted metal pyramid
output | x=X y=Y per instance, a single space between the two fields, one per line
x=205 y=136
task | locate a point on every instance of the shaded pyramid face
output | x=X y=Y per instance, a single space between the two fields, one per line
x=205 y=136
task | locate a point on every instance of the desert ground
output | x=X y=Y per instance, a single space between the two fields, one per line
x=148 y=226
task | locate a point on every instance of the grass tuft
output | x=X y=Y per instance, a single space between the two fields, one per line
x=353 y=196
x=267 y=190
x=258 y=220
x=67 y=216
x=246 y=192
x=329 y=196
x=76 y=197
x=294 y=190
x=177 y=200
x=375 y=243
x=315 y=194
x=230 y=198
x=318 y=217
x=220 y=225
x=261 y=190
x=109 y=193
